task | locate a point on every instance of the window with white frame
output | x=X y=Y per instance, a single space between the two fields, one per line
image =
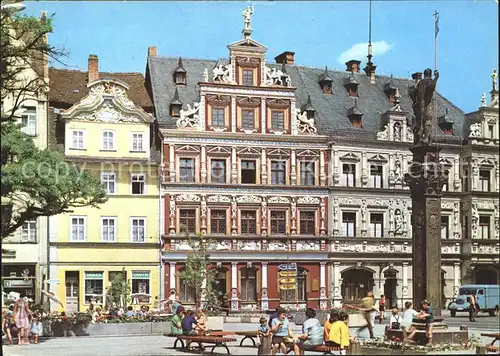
x=484 y=180
x=108 y=140
x=78 y=139
x=108 y=229
x=349 y=224
x=108 y=181
x=29 y=120
x=94 y=287
x=278 y=172
x=187 y=170
x=138 y=229
x=28 y=231
x=78 y=228
x=141 y=286
x=138 y=182
x=307 y=172
x=376 y=175
x=484 y=227
x=377 y=224
x=349 y=174
x=445 y=227
x=138 y=142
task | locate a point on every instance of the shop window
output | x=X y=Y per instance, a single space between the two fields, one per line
x=278 y=222
x=248 y=172
x=248 y=284
x=141 y=287
x=187 y=221
x=186 y=170
x=307 y=173
x=218 y=222
x=248 y=222
x=94 y=287
x=377 y=224
x=307 y=223
x=278 y=172
x=218 y=171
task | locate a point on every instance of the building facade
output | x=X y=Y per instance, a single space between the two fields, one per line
x=280 y=164
x=107 y=132
x=24 y=254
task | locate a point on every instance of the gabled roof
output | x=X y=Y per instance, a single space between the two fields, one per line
x=67 y=87
x=331 y=110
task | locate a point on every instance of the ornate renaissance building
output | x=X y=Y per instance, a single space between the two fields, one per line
x=296 y=176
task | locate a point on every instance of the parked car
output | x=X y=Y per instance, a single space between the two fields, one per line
x=487 y=298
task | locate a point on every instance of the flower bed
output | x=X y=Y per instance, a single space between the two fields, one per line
x=380 y=346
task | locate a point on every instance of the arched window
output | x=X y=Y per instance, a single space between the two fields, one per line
x=356 y=283
x=293 y=287
x=108 y=140
x=248 y=282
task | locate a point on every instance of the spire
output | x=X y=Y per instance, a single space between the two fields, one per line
x=175 y=99
x=370 y=68
x=180 y=67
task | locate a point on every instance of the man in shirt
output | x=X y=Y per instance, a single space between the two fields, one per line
x=406 y=323
x=427 y=314
x=274 y=315
x=187 y=324
x=368 y=307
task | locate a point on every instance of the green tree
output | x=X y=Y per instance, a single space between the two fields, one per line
x=119 y=290
x=34 y=182
x=198 y=269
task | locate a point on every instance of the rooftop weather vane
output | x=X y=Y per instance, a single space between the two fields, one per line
x=247 y=16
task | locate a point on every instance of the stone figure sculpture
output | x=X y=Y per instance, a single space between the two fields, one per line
x=421 y=96
x=494 y=78
x=189 y=117
x=483 y=99
x=222 y=73
x=247 y=16
x=305 y=124
x=205 y=75
x=475 y=130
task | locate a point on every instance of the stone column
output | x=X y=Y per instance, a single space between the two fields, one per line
x=456 y=278
x=263 y=123
x=337 y=282
x=203 y=167
x=264 y=302
x=172 y=277
x=426 y=183
x=234 y=167
x=336 y=167
x=234 y=285
x=322 y=176
x=293 y=116
x=263 y=167
x=405 y=281
x=323 y=299
x=364 y=169
x=171 y=163
x=293 y=168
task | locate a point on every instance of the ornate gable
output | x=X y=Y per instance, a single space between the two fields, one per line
x=107 y=101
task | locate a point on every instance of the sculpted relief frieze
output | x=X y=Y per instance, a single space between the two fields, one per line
x=309 y=245
x=278 y=200
x=107 y=113
x=218 y=199
x=484 y=249
x=249 y=199
x=188 y=198
x=371 y=247
x=308 y=200
x=249 y=245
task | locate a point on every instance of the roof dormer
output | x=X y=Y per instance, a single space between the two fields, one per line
x=355 y=115
x=446 y=123
x=325 y=82
x=175 y=105
x=390 y=90
x=351 y=85
x=180 y=74
x=311 y=112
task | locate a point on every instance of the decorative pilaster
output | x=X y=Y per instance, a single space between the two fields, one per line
x=293 y=169
x=475 y=175
x=456 y=174
x=405 y=280
x=336 y=217
x=264 y=302
x=456 y=278
x=203 y=164
x=322 y=209
x=263 y=212
x=392 y=179
x=322 y=175
x=337 y=296
x=293 y=216
x=336 y=167
x=263 y=115
x=497 y=175
x=172 y=277
x=323 y=299
x=364 y=213
x=171 y=228
x=293 y=115
x=234 y=286
x=263 y=165
x=171 y=162
x=203 y=215
x=233 y=114
x=234 y=216
x=234 y=167
x=364 y=169
x=201 y=112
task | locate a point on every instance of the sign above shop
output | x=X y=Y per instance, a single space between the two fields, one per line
x=17 y=283
x=287 y=267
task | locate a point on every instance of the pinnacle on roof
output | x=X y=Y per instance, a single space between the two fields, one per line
x=180 y=67
x=175 y=99
x=350 y=80
x=308 y=106
x=354 y=110
x=325 y=77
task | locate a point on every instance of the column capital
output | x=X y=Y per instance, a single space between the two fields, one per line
x=336 y=264
x=172 y=264
x=456 y=264
x=264 y=263
x=323 y=263
x=405 y=264
x=234 y=264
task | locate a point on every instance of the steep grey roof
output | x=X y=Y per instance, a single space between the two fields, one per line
x=331 y=110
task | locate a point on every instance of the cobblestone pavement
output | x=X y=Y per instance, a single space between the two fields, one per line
x=142 y=345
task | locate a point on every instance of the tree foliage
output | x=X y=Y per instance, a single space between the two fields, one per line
x=199 y=273
x=35 y=182
x=119 y=290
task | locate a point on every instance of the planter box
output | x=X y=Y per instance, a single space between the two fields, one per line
x=356 y=320
x=112 y=329
x=214 y=323
x=363 y=350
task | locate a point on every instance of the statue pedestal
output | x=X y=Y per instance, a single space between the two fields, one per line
x=426 y=178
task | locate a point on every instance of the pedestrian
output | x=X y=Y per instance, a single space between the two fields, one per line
x=339 y=333
x=334 y=316
x=395 y=320
x=9 y=323
x=312 y=332
x=264 y=337
x=381 y=309
x=427 y=314
x=36 y=327
x=21 y=316
x=472 y=307
x=367 y=310
x=406 y=323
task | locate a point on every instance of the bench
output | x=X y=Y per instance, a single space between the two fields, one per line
x=252 y=335
x=217 y=341
x=493 y=348
x=495 y=336
x=325 y=349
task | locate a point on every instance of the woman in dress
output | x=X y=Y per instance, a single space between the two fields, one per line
x=21 y=316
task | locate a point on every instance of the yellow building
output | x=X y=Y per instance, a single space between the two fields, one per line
x=110 y=135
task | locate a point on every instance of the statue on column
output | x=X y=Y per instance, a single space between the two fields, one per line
x=494 y=78
x=247 y=15
x=421 y=96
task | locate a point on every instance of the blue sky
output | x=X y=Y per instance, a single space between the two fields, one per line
x=320 y=33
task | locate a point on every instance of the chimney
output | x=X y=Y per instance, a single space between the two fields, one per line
x=417 y=76
x=353 y=66
x=152 y=51
x=93 y=68
x=286 y=57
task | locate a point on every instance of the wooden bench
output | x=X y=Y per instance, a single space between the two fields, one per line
x=495 y=336
x=217 y=341
x=251 y=335
x=493 y=348
x=325 y=349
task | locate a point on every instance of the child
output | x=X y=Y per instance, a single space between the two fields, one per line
x=264 y=338
x=36 y=327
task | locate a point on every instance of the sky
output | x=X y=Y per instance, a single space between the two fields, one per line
x=323 y=33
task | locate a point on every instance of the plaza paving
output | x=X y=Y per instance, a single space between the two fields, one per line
x=150 y=345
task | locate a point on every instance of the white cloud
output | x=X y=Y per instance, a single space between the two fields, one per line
x=359 y=51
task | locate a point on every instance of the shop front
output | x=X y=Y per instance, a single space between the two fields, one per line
x=20 y=279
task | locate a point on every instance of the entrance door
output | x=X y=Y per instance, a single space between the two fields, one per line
x=390 y=285
x=72 y=292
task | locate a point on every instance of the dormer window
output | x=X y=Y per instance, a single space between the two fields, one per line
x=175 y=105
x=247 y=77
x=180 y=74
x=355 y=116
x=311 y=112
x=325 y=82
x=446 y=124
x=390 y=91
x=351 y=85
